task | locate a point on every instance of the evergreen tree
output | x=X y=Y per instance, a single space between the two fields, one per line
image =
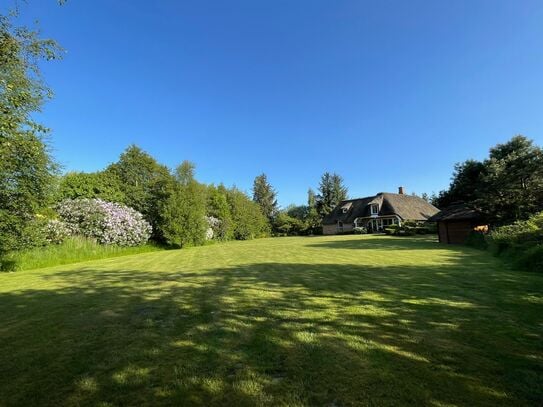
x=265 y=196
x=313 y=218
x=331 y=192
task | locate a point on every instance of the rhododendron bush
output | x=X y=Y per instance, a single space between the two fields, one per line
x=107 y=222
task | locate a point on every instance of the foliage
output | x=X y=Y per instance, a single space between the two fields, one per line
x=265 y=196
x=26 y=168
x=104 y=185
x=360 y=230
x=183 y=213
x=286 y=225
x=507 y=186
x=477 y=240
x=144 y=184
x=520 y=242
x=56 y=231
x=107 y=222
x=248 y=220
x=73 y=249
x=331 y=192
x=217 y=207
x=410 y=228
x=213 y=227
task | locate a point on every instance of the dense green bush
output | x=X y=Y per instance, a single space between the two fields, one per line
x=531 y=258
x=477 y=240
x=521 y=242
x=286 y=225
x=248 y=220
x=359 y=230
x=183 y=214
x=411 y=228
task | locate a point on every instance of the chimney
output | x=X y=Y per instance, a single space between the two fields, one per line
x=400 y=190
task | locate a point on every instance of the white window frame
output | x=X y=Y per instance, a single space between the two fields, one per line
x=376 y=207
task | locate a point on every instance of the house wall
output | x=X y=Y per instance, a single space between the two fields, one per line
x=329 y=229
x=333 y=229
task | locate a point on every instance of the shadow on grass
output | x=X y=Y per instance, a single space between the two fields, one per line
x=384 y=242
x=275 y=334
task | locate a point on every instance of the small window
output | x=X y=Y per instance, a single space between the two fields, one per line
x=340 y=224
x=374 y=209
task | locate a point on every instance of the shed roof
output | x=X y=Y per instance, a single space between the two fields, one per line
x=458 y=211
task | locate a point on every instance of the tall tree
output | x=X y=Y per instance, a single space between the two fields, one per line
x=248 y=220
x=507 y=186
x=265 y=196
x=183 y=212
x=331 y=192
x=466 y=184
x=217 y=207
x=142 y=179
x=103 y=185
x=513 y=180
x=313 y=218
x=26 y=167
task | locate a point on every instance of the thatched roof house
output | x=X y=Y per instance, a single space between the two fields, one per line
x=376 y=212
x=456 y=222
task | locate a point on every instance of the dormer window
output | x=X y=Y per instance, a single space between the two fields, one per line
x=374 y=208
x=345 y=208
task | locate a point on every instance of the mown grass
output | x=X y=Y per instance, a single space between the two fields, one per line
x=331 y=321
x=73 y=250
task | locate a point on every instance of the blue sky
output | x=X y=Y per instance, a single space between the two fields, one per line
x=385 y=93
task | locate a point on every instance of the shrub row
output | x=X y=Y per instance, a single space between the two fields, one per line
x=521 y=243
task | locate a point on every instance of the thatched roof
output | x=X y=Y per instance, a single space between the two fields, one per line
x=405 y=206
x=458 y=211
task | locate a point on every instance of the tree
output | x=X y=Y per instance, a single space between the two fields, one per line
x=217 y=207
x=248 y=220
x=182 y=214
x=507 y=186
x=288 y=225
x=465 y=185
x=331 y=192
x=265 y=196
x=143 y=182
x=513 y=180
x=103 y=185
x=313 y=218
x=26 y=167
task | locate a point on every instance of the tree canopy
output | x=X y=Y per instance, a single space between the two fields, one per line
x=507 y=186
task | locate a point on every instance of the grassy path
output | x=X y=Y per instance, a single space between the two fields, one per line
x=333 y=321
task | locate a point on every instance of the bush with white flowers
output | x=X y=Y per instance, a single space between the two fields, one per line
x=107 y=222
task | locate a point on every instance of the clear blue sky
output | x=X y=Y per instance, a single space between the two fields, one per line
x=385 y=93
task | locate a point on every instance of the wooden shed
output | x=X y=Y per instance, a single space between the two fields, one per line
x=456 y=222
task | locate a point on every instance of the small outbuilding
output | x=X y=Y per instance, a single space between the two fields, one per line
x=456 y=222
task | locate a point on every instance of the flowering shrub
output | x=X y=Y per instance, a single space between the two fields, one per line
x=214 y=227
x=56 y=231
x=107 y=222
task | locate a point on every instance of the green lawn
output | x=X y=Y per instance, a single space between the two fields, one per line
x=332 y=321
